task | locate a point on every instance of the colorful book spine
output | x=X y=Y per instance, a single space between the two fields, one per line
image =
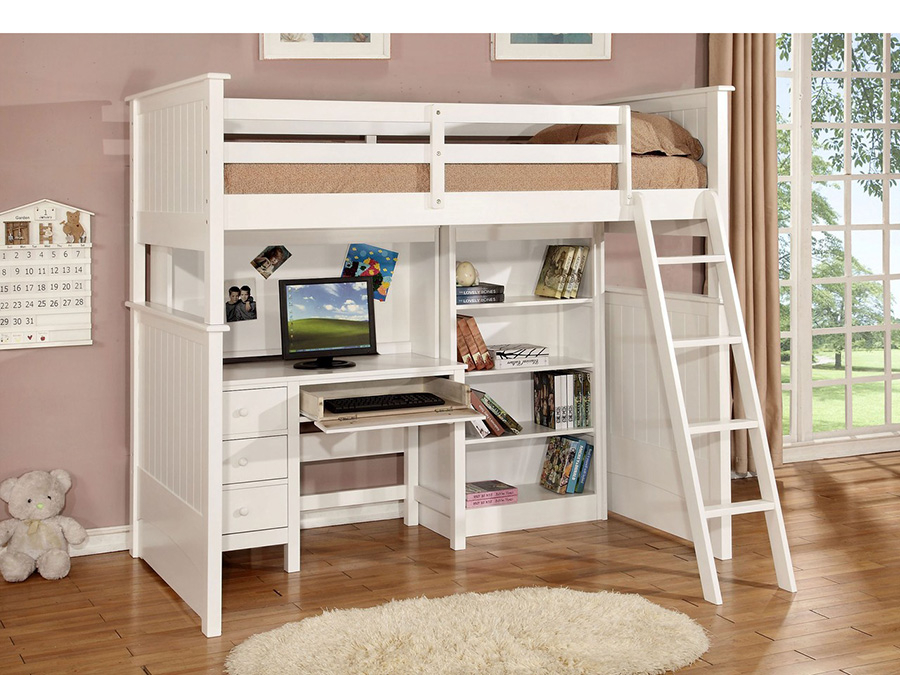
x=576 y=465
x=492 y=423
x=463 y=355
x=555 y=271
x=570 y=447
x=500 y=413
x=584 y=472
x=573 y=283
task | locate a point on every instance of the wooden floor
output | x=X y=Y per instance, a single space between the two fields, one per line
x=113 y=615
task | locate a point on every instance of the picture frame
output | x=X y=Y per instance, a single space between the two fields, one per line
x=324 y=46
x=551 y=46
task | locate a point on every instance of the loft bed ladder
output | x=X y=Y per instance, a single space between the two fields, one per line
x=699 y=513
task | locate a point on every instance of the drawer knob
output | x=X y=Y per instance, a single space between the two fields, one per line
x=243 y=511
x=242 y=461
x=243 y=412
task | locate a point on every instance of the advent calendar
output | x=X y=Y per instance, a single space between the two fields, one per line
x=45 y=276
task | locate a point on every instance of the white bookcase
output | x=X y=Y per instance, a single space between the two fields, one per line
x=572 y=329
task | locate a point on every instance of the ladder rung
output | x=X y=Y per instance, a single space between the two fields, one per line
x=726 y=425
x=690 y=259
x=748 y=506
x=711 y=341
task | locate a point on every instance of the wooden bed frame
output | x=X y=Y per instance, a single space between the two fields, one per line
x=186 y=232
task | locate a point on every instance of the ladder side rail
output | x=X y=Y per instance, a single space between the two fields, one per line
x=759 y=444
x=677 y=410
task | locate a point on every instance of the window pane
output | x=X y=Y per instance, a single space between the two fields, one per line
x=829 y=408
x=866 y=102
x=827 y=99
x=895 y=99
x=868 y=404
x=895 y=353
x=895 y=251
x=828 y=357
x=784 y=255
x=783 y=51
x=828 y=203
x=786 y=413
x=827 y=254
x=868 y=353
x=866 y=251
x=865 y=202
x=828 y=51
x=827 y=152
x=868 y=303
x=895 y=402
x=895 y=54
x=828 y=306
x=895 y=151
x=867 y=150
x=894 y=215
x=784 y=204
x=895 y=301
x=785 y=305
x=785 y=360
x=784 y=152
x=783 y=100
x=868 y=52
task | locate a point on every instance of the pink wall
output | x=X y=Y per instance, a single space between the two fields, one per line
x=64 y=136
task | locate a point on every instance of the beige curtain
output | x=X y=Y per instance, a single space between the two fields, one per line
x=747 y=61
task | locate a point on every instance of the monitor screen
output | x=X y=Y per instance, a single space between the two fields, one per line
x=326 y=318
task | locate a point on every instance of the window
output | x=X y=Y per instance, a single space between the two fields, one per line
x=838 y=114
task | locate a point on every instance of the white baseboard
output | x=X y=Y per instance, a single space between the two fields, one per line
x=111 y=539
x=103 y=540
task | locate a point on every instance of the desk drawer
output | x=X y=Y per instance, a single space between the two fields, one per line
x=253 y=411
x=254 y=508
x=252 y=459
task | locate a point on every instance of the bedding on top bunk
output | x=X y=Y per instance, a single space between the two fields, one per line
x=664 y=156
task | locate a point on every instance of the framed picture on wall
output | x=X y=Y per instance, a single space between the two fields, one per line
x=551 y=46
x=325 y=45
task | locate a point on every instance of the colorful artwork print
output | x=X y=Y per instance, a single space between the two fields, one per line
x=270 y=259
x=363 y=260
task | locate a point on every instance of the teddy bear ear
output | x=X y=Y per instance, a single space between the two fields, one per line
x=62 y=476
x=6 y=488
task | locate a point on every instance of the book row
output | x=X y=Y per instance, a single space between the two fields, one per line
x=490 y=493
x=497 y=420
x=470 y=346
x=480 y=293
x=562 y=271
x=562 y=398
x=567 y=463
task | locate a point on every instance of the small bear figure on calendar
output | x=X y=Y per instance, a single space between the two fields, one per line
x=73 y=228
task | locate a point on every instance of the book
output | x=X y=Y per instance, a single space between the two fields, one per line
x=490 y=421
x=554 y=272
x=585 y=466
x=463 y=355
x=578 y=391
x=560 y=401
x=573 y=282
x=502 y=415
x=576 y=464
x=544 y=413
x=486 y=359
x=586 y=399
x=479 y=299
x=481 y=290
x=558 y=460
x=491 y=501
x=480 y=428
x=518 y=355
x=484 y=489
x=462 y=328
x=363 y=260
x=570 y=449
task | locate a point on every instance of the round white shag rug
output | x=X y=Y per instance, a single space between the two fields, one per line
x=524 y=631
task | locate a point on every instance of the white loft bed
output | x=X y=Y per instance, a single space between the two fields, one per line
x=185 y=135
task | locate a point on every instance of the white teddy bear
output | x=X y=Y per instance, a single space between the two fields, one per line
x=37 y=537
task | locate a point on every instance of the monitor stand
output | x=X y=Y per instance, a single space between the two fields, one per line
x=327 y=362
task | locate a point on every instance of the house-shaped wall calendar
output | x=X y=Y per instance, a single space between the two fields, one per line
x=45 y=276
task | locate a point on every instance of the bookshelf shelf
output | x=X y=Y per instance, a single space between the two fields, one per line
x=525 y=301
x=530 y=431
x=556 y=363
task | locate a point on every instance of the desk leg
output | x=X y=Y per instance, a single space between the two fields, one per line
x=411 y=477
x=458 y=495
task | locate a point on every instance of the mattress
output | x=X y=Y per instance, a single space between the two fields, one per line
x=647 y=171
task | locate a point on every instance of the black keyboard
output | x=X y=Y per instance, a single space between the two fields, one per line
x=355 y=404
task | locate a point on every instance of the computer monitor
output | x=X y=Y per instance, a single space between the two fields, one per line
x=326 y=318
